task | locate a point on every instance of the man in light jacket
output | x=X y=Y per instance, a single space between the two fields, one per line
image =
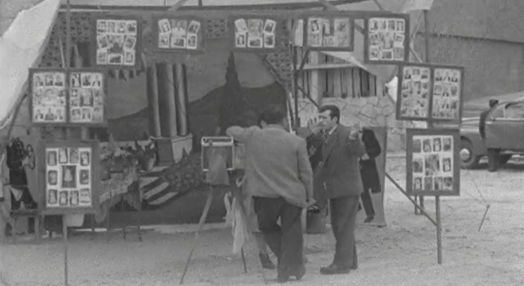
x=279 y=177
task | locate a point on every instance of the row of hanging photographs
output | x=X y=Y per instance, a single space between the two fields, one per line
x=386 y=36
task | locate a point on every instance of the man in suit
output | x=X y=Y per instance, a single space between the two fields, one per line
x=369 y=172
x=343 y=185
x=493 y=153
x=279 y=177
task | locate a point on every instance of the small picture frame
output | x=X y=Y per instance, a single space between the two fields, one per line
x=219 y=145
x=256 y=32
x=433 y=162
x=393 y=30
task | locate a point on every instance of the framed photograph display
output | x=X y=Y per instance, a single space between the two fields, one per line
x=414 y=92
x=386 y=38
x=179 y=33
x=68 y=176
x=116 y=41
x=433 y=162
x=212 y=146
x=255 y=33
x=329 y=31
x=87 y=95
x=430 y=92
x=48 y=98
x=446 y=104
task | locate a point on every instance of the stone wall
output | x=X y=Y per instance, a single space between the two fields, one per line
x=370 y=111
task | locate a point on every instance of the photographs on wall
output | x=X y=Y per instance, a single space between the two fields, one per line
x=48 y=96
x=255 y=33
x=414 y=92
x=329 y=33
x=387 y=39
x=221 y=146
x=447 y=91
x=117 y=41
x=432 y=162
x=429 y=92
x=86 y=97
x=63 y=98
x=179 y=33
x=68 y=177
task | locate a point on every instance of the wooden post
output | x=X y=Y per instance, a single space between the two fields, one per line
x=295 y=86
x=66 y=248
x=439 y=230
x=181 y=103
x=170 y=96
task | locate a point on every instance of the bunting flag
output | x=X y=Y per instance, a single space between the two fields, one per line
x=415 y=5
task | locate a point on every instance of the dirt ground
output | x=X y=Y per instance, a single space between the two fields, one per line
x=403 y=253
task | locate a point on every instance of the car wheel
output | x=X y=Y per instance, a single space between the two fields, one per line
x=468 y=159
x=503 y=159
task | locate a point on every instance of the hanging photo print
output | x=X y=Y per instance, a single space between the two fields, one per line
x=255 y=33
x=116 y=41
x=387 y=39
x=48 y=96
x=67 y=175
x=329 y=33
x=86 y=97
x=433 y=163
x=182 y=33
x=447 y=94
x=414 y=94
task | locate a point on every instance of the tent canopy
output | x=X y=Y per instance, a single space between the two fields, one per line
x=21 y=47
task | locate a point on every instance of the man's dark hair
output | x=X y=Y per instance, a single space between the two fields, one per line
x=273 y=114
x=334 y=111
x=493 y=102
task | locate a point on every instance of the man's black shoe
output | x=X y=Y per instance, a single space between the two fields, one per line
x=334 y=269
x=369 y=219
x=266 y=262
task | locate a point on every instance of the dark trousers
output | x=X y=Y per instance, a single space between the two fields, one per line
x=284 y=240
x=343 y=220
x=368 y=203
x=493 y=159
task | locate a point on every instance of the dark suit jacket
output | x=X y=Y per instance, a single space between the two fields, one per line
x=341 y=168
x=369 y=171
x=482 y=123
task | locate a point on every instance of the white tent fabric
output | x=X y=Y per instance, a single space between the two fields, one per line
x=21 y=48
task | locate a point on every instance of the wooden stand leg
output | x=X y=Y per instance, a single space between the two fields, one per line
x=37 y=229
x=108 y=224
x=139 y=223
x=439 y=230
x=200 y=225
x=66 y=247
x=243 y=259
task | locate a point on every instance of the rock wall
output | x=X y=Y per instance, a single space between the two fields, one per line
x=370 y=111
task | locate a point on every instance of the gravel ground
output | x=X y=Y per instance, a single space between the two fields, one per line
x=403 y=253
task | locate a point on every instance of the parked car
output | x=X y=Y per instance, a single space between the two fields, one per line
x=504 y=129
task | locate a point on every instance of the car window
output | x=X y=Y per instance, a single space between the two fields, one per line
x=498 y=112
x=514 y=111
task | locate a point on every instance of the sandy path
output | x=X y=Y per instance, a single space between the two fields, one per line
x=404 y=253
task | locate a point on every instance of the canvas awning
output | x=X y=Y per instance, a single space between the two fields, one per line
x=21 y=48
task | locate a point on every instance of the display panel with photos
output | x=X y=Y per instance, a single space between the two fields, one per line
x=48 y=96
x=218 y=145
x=433 y=163
x=117 y=41
x=68 y=176
x=255 y=33
x=447 y=94
x=430 y=92
x=333 y=32
x=414 y=94
x=182 y=33
x=86 y=97
x=387 y=39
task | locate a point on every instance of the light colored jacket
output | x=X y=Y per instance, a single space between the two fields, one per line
x=277 y=163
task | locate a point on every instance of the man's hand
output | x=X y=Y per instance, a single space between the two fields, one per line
x=365 y=157
x=355 y=131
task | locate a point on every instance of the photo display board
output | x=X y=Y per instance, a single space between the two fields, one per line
x=48 y=96
x=430 y=93
x=386 y=39
x=217 y=145
x=179 y=33
x=68 y=175
x=62 y=98
x=433 y=163
x=117 y=41
x=329 y=31
x=256 y=33
x=87 y=97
